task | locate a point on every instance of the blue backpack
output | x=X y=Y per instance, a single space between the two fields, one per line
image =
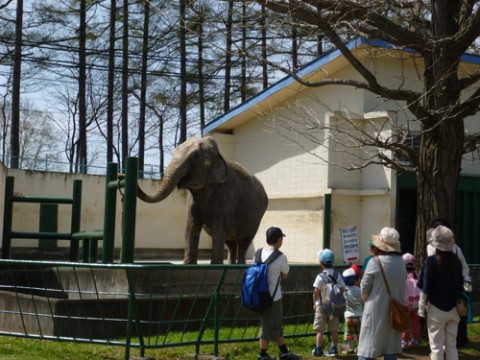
x=255 y=293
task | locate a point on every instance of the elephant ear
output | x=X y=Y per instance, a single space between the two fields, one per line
x=219 y=170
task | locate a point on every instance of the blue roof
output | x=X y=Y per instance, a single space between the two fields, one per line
x=312 y=66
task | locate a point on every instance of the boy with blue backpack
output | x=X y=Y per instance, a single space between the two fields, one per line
x=328 y=303
x=272 y=316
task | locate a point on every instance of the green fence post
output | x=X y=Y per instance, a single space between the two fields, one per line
x=7 y=217
x=75 y=220
x=48 y=222
x=216 y=321
x=215 y=302
x=109 y=214
x=132 y=312
x=129 y=210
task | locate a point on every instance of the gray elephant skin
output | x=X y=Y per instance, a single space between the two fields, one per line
x=227 y=200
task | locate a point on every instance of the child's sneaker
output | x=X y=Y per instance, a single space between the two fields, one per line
x=404 y=344
x=332 y=351
x=317 y=351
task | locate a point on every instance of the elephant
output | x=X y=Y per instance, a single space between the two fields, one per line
x=226 y=200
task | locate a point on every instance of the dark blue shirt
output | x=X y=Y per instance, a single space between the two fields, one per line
x=443 y=288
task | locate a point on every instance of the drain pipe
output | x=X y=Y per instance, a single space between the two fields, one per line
x=327 y=217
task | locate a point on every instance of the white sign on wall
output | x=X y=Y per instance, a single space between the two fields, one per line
x=349 y=238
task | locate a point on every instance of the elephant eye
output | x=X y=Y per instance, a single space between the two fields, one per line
x=195 y=157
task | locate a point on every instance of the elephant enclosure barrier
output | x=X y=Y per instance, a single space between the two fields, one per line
x=141 y=306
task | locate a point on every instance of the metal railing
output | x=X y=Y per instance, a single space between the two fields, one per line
x=50 y=164
x=141 y=306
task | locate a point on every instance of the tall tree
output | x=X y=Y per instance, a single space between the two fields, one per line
x=17 y=73
x=439 y=32
x=111 y=80
x=243 y=61
x=200 y=47
x=183 y=71
x=82 y=89
x=263 y=24
x=228 y=56
x=143 y=88
x=125 y=78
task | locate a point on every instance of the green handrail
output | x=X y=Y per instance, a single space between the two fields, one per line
x=7 y=217
x=129 y=210
x=75 y=218
x=109 y=214
x=10 y=199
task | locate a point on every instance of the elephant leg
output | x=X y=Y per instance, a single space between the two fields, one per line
x=218 y=246
x=232 y=252
x=192 y=238
x=242 y=250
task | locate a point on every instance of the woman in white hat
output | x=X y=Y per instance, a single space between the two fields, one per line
x=462 y=338
x=441 y=281
x=377 y=336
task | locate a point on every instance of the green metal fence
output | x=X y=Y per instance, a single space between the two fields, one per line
x=141 y=306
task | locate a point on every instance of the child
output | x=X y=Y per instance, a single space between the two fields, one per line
x=326 y=258
x=354 y=309
x=411 y=337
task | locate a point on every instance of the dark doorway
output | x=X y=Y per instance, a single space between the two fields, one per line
x=406 y=213
x=467 y=231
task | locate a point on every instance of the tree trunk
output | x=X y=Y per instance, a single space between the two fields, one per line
x=439 y=173
x=294 y=37
x=441 y=146
x=125 y=84
x=183 y=73
x=82 y=78
x=143 y=91
x=201 y=81
x=263 y=23
x=111 y=80
x=243 y=65
x=17 y=72
x=228 y=57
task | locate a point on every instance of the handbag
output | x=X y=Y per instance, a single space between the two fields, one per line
x=399 y=313
x=462 y=307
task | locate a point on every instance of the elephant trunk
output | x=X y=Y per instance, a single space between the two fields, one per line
x=171 y=179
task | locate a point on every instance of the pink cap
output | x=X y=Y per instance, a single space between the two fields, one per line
x=408 y=259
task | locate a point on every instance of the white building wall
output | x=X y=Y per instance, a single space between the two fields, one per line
x=294 y=181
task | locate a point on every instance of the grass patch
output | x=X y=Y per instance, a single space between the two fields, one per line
x=12 y=348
